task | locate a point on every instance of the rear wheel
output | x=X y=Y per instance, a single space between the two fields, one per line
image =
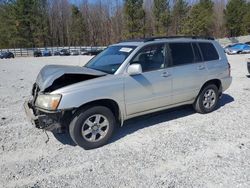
x=92 y=127
x=207 y=99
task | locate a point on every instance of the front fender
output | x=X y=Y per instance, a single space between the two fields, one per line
x=80 y=94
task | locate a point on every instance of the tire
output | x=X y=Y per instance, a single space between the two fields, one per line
x=207 y=99
x=89 y=134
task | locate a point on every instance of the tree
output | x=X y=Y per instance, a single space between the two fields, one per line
x=77 y=27
x=234 y=14
x=219 y=29
x=116 y=22
x=23 y=15
x=179 y=14
x=162 y=16
x=246 y=20
x=40 y=23
x=134 y=18
x=8 y=31
x=200 y=19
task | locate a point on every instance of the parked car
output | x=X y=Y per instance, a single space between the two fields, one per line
x=64 y=52
x=46 y=53
x=93 y=51
x=83 y=51
x=6 y=55
x=37 y=53
x=127 y=80
x=74 y=52
x=239 y=48
x=56 y=53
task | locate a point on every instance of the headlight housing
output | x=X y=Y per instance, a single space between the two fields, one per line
x=48 y=101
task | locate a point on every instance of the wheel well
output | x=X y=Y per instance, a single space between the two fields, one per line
x=216 y=82
x=111 y=104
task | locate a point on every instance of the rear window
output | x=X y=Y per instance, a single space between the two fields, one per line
x=182 y=53
x=208 y=51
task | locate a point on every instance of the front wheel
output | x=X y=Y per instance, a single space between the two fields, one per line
x=92 y=127
x=207 y=99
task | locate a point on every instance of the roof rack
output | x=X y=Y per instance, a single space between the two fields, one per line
x=176 y=37
x=168 y=37
x=134 y=40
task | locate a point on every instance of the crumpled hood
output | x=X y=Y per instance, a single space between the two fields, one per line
x=50 y=73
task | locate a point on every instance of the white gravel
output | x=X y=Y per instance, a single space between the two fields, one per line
x=174 y=148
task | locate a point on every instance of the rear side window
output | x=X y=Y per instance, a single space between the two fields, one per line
x=208 y=51
x=182 y=53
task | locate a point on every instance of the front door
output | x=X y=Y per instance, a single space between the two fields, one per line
x=151 y=89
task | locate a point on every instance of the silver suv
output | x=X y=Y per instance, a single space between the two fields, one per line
x=126 y=80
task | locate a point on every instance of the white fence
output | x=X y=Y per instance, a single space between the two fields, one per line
x=24 y=52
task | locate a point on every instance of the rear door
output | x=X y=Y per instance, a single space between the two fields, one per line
x=189 y=71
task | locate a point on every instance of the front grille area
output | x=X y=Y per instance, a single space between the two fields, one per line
x=35 y=90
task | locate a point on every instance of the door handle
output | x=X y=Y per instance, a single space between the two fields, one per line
x=201 y=67
x=165 y=74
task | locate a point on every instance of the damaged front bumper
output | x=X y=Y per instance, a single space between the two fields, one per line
x=43 y=120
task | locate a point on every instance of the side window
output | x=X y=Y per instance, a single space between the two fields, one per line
x=197 y=54
x=151 y=57
x=182 y=53
x=208 y=51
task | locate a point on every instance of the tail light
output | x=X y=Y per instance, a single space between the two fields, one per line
x=229 y=69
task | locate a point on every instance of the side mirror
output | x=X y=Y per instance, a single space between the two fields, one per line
x=134 y=69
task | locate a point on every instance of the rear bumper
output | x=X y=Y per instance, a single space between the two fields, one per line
x=42 y=120
x=226 y=82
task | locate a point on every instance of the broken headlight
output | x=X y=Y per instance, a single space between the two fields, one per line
x=48 y=101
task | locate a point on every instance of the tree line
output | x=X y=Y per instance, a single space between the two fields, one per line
x=41 y=23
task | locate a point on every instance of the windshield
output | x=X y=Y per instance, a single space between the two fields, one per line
x=110 y=59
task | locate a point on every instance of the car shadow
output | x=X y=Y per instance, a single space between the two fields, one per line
x=64 y=138
x=135 y=124
x=132 y=125
x=225 y=99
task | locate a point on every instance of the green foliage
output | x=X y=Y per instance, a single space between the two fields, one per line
x=134 y=18
x=7 y=25
x=161 y=13
x=77 y=27
x=246 y=20
x=39 y=23
x=234 y=14
x=179 y=13
x=23 y=23
x=200 y=19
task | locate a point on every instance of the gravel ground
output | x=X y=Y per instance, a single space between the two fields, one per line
x=174 y=148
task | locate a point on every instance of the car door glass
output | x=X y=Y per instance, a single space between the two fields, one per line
x=197 y=54
x=182 y=53
x=151 y=57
